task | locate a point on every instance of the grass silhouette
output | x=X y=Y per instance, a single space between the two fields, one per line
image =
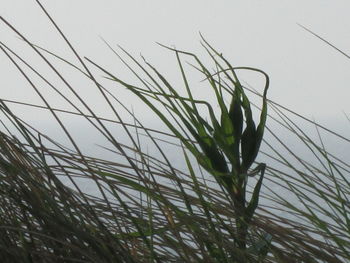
x=221 y=208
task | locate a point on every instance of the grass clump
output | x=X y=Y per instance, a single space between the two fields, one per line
x=144 y=208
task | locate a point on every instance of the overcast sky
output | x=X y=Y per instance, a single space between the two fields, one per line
x=306 y=75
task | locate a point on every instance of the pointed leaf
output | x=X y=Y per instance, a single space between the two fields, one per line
x=248 y=145
x=253 y=204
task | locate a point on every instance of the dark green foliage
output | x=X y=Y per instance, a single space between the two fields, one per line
x=146 y=210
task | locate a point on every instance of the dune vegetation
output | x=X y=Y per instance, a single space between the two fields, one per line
x=244 y=195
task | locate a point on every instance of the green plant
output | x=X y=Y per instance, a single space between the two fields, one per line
x=225 y=147
x=145 y=209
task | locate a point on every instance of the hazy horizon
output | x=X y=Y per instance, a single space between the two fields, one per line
x=307 y=75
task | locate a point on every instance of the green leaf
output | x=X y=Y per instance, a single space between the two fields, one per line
x=248 y=146
x=236 y=115
x=253 y=204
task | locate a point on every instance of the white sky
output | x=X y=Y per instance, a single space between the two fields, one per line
x=306 y=75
